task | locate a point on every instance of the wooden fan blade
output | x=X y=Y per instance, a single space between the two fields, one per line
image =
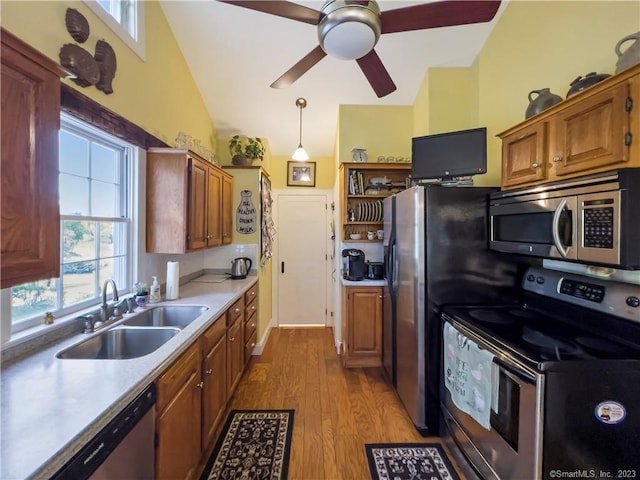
x=376 y=74
x=300 y=68
x=438 y=14
x=281 y=9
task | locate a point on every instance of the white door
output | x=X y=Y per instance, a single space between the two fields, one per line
x=302 y=260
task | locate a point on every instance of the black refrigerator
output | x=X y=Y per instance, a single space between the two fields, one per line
x=436 y=253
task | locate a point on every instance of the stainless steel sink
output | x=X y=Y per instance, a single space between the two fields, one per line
x=121 y=343
x=178 y=316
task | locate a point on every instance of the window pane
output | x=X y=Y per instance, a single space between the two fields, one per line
x=106 y=239
x=104 y=200
x=120 y=238
x=114 y=269
x=74 y=154
x=79 y=284
x=30 y=299
x=79 y=241
x=74 y=195
x=104 y=163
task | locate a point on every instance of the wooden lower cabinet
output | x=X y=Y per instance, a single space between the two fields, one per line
x=214 y=379
x=362 y=326
x=179 y=418
x=194 y=391
x=235 y=353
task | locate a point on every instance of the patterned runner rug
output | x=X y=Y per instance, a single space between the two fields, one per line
x=253 y=445
x=404 y=461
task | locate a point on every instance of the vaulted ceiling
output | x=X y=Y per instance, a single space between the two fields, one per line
x=235 y=53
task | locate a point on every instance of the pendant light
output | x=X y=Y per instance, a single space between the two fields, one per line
x=300 y=155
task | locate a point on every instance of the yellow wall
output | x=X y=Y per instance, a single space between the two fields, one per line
x=450 y=100
x=544 y=44
x=382 y=130
x=421 y=110
x=265 y=293
x=159 y=94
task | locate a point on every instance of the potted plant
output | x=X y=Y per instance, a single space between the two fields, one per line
x=244 y=150
x=141 y=293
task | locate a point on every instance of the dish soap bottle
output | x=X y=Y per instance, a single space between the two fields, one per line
x=154 y=294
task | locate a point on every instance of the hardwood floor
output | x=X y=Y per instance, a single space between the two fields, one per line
x=337 y=410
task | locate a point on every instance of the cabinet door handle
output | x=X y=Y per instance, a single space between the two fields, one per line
x=282 y=267
x=536 y=165
x=557 y=158
x=209 y=372
x=200 y=384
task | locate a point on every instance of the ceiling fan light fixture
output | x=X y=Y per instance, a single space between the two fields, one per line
x=349 y=30
x=300 y=155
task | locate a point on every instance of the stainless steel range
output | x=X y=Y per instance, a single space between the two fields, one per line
x=548 y=387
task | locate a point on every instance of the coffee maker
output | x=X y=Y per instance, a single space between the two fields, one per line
x=354 y=266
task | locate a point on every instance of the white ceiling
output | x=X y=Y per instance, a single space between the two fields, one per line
x=235 y=53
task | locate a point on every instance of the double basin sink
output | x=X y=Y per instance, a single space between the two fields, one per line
x=138 y=335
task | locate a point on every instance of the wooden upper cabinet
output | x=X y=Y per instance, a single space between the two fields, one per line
x=593 y=131
x=185 y=201
x=214 y=208
x=198 y=204
x=30 y=226
x=227 y=208
x=591 y=134
x=524 y=155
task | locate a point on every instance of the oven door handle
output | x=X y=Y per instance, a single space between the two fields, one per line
x=556 y=229
x=513 y=371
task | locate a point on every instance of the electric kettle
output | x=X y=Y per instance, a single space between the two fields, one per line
x=240 y=268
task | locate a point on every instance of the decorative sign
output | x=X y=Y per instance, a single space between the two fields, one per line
x=246 y=214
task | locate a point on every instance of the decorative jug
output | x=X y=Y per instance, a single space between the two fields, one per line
x=631 y=56
x=545 y=99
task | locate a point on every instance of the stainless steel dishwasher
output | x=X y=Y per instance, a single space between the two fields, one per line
x=123 y=449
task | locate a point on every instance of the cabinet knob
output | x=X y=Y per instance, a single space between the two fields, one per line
x=253 y=344
x=536 y=165
x=209 y=237
x=253 y=294
x=253 y=307
x=209 y=372
x=237 y=310
x=232 y=339
x=380 y=297
x=557 y=158
x=253 y=325
x=200 y=384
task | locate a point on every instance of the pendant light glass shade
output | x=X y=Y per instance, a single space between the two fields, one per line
x=300 y=155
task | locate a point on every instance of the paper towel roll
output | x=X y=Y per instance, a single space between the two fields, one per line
x=173 y=280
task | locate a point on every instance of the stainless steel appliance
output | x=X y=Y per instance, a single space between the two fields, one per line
x=435 y=244
x=353 y=263
x=375 y=270
x=563 y=382
x=125 y=448
x=589 y=220
x=240 y=267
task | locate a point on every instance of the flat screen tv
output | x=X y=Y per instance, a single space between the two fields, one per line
x=449 y=155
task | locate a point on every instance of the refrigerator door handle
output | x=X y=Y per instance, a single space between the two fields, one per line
x=394 y=271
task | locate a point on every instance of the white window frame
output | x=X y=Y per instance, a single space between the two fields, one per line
x=134 y=36
x=72 y=124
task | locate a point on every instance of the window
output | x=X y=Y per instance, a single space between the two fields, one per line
x=95 y=226
x=125 y=18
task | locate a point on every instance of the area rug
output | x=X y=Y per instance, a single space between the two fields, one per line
x=409 y=461
x=253 y=445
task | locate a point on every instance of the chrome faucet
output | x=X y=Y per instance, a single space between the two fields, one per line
x=105 y=316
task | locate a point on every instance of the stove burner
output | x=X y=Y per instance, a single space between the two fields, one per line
x=526 y=314
x=549 y=344
x=491 y=316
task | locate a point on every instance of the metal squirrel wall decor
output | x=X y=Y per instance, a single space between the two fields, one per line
x=98 y=69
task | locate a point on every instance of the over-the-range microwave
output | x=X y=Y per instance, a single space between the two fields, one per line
x=593 y=220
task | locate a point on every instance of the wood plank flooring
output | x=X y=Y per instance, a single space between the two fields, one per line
x=337 y=410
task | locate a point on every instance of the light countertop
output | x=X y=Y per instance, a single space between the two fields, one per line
x=362 y=283
x=51 y=407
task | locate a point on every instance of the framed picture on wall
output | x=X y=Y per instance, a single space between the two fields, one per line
x=301 y=174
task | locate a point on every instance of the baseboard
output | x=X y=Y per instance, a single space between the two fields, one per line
x=258 y=349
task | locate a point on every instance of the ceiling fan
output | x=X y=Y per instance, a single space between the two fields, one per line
x=350 y=29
